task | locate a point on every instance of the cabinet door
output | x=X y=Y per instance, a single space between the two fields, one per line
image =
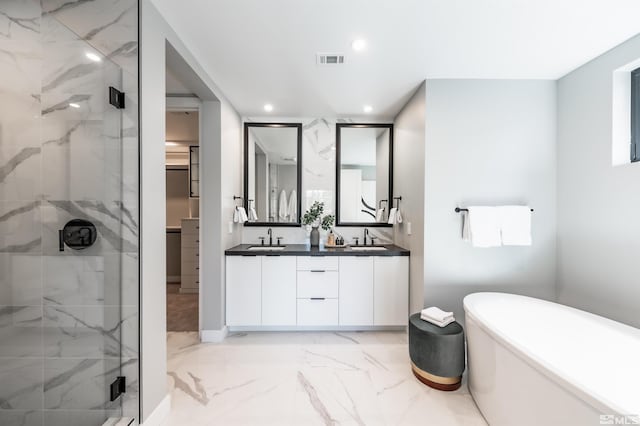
x=355 y=300
x=244 y=282
x=278 y=290
x=391 y=290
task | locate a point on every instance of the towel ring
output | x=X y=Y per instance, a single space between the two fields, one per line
x=235 y=198
x=397 y=202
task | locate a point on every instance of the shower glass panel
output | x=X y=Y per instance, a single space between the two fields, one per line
x=68 y=294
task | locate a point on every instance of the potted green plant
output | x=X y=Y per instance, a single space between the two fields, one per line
x=313 y=217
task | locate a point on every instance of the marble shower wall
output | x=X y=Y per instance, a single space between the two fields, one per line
x=318 y=179
x=68 y=320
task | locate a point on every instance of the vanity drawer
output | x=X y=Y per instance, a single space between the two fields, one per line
x=190 y=227
x=317 y=312
x=190 y=240
x=317 y=283
x=317 y=263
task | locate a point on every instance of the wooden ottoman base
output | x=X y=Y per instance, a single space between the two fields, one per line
x=436 y=382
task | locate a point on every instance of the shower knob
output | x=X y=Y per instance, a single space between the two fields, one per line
x=77 y=234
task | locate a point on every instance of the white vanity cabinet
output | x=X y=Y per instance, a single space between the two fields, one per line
x=289 y=292
x=278 y=290
x=391 y=290
x=356 y=290
x=244 y=290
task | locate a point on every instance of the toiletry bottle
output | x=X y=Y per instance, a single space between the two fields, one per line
x=331 y=239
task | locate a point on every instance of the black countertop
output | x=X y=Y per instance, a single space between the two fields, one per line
x=306 y=250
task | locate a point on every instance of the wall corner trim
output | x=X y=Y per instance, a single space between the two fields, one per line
x=160 y=413
x=214 y=336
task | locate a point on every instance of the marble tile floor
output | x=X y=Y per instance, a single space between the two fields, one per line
x=305 y=378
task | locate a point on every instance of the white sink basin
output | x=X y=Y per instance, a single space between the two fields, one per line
x=266 y=248
x=368 y=248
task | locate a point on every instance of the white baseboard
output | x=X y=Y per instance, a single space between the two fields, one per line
x=160 y=414
x=214 y=336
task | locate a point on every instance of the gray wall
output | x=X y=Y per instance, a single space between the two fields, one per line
x=219 y=180
x=598 y=204
x=409 y=182
x=488 y=142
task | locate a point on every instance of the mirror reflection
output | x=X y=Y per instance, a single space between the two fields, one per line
x=364 y=173
x=272 y=173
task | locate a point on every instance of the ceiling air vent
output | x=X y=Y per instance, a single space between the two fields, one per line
x=330 y=58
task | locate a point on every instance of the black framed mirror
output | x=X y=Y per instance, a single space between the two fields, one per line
x=364 y=174
x=273 y=173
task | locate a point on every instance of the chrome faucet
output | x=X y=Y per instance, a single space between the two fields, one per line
x=366 y=232
x=270 y=232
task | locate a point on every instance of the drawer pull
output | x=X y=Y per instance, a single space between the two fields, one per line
x=317 y=298
x=317 y=270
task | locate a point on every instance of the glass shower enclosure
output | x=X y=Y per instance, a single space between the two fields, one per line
x=68 y=212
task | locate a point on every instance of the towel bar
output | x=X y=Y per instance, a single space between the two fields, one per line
x=458 y=210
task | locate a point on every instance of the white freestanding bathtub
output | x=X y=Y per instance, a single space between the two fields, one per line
x=533 y=362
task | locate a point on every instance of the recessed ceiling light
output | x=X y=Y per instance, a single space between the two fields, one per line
x=359 y=44
x=268 y=107
x=167 y=143
x=74 y=105
x=367 y=108
x=93 y=57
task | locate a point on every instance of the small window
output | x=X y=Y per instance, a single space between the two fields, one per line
x=635 y=115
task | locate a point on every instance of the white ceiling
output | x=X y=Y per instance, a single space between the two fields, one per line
x=261 y=51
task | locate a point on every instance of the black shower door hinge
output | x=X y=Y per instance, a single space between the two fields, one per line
x=116 y=97
x=118 y=387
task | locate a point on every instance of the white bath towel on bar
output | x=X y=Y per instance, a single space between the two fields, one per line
x=483 y=226
x=515 y=225
x=282 y=206
x=436 y=314
x=292 y=208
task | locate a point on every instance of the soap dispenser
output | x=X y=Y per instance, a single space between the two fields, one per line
x=331 y=239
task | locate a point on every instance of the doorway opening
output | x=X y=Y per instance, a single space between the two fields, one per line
x=183 y=214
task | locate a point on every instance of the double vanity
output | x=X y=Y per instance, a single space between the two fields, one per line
x=295 y=286
x=298 y=287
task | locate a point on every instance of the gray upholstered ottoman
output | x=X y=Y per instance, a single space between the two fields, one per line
x=437 y=353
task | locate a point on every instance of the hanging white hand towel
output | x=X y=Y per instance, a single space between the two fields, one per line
x=292 y=209
x=380 y=216
x=484 y=226
x=392 y=216
x=515 y=225
x=241 y=215
x=282 y=206
x=398 y=216
x=253 y=216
